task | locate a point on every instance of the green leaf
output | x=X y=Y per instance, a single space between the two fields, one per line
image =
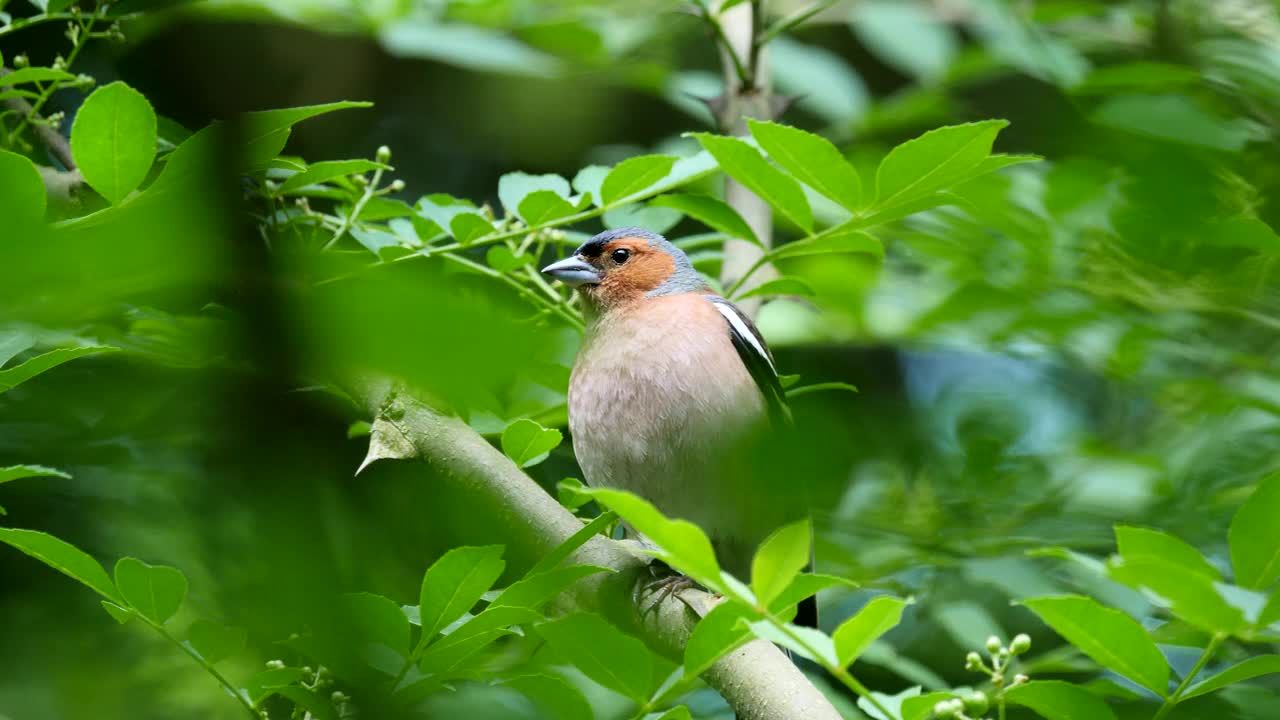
x=876 y=618
x=16 y=472
x=543 y=206
x=1251 y=668
x=321 y=172
x=113 y=140
x=746 y=165
x=573 y=542
x=723 y=630
x=824 y=82
x=265 y=133
x=554 y=695
x=448 y=653
x=1188 y=595
x=806 y=585
x=23 y=199
x=821 y=387
x=467 y=227
x=155 y=591
x=535 y=590
x=780 y=559
x=1111 y=638
x=839 y=239
x=634 y=175
x=15 y=376
x=812 y=160
x=603 y=653
x=643 y=215
x=680 y=712
x=468 y=46
x=1058 y=700
x=712 y=212
x=528 y=443
x=504 y=260
x=805 y=642
x=454 y=584
x=35 y=74
x=376 y=620
x=1182 y=121
x=569 y=493
x=268 y=682
x=680 y=543
x=934 y=161
x=63 y=557
x=120 y=614
x=515 y=186
x=906 y=36
x=588 y=181
x=779 y=286
x=215 y=642
x=1136 y=542
x=1255 y=536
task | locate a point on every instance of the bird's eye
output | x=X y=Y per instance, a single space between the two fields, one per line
x=620 y=255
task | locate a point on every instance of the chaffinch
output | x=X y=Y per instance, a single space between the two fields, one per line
x=672 y=392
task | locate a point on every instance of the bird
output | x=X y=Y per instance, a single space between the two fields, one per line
x=675 y=397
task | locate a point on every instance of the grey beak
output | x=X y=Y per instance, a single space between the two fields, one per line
x=573 y=271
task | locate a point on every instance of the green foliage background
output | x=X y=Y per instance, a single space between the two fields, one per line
x=1055 y=359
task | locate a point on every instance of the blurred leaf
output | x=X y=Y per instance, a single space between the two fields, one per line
x=555 y=696
x=812 y=160
x=720 y=631
x=265 y=133
x=535 y=590
x=447 y=653
x=806 y=585
x=376 y=619
x=467 y=46
x=454 y=584
x=876 y=618
x=321 y=172
x=823 y=82
x=63 y=557
x=936 y=160
x=968 y=623
x=1136 y=542
x=589 y=180
x=779 y=286
x=907 y=36
x=156 y=591
x=569 y=493
x=603 y=653
x=893 y=703
x=528 y=443
x=17 y=472
x=23 y=199
x=680 y=712
x=113 y=140
x=1138 y=76
x=779 y=559
x=504 y=260
x=15 y=376
x=920 y=707
x=680 y=543
x=839 y=239
x=634 y=175
x=1114 y=640
x=1251 y=668
x=820 y=387
x=746 y=165
x=216 y=643
x=1181 y=121
x=34 y=74
x=1028 y=46
x=268 y=682
x=1255 y=536
x=317 y=706
x=1189 y=595
x=712 y=212
x=1058 y=700
x=652 y=218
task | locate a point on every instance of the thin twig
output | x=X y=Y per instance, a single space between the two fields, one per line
x=744 y=76
x=791 y=21
x=50 y=138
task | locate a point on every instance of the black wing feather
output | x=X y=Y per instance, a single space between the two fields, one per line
x=758 y=360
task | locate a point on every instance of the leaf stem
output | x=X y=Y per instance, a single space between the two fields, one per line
x=744 y=76
x=81 y=39
x=209 y=668
x=792 y=21
x=350 y=217
x=1205 y=657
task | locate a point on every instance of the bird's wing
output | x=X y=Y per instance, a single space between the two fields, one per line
x=757 y=358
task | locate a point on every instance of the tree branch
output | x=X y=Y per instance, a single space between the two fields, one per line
x=59 y=185
x=757 y=680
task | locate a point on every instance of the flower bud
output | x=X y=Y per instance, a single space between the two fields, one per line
x=1020 y=679
x=21 y=61
x=396 y=185
x=384 y=154
x=993 y=645
x=339 y=697
x=942 y=709
x=1021 y=643
x=977 y=704
x=973 y=661
x=275 y=664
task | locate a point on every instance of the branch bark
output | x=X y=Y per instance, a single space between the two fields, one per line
x=60 y=185
x=757 y=680
x=740 y=26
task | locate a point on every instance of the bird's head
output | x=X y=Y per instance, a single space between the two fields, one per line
x=625 y=265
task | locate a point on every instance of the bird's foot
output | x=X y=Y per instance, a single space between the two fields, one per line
x=664 y=582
